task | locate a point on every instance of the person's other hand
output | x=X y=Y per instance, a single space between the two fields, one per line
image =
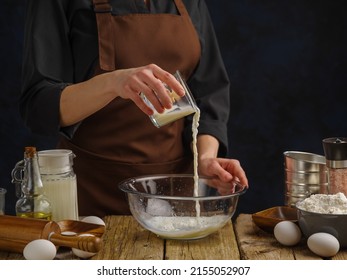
x=227 y=170
x=149 y=80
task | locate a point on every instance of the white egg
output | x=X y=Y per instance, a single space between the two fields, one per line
x=83 y=254
x=323 y=244
x=287 y=233
x=93 y=220
x=40 y=249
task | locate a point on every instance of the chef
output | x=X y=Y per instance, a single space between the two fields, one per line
x=86 y=63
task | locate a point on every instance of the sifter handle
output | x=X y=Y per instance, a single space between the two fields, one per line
x=91 y=244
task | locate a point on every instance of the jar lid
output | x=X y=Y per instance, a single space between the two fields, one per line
x=335 y=149
x=55 y=161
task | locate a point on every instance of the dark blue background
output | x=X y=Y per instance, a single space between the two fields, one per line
x=287 y=64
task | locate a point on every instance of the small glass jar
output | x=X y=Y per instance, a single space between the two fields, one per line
x=59 y=180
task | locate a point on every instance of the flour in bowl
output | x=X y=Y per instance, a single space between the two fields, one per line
x=186 y=227
x=325 y=203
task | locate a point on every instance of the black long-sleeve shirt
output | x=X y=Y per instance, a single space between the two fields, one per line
x=61 y=47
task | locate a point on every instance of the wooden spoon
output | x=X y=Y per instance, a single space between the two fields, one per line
x=81 y=227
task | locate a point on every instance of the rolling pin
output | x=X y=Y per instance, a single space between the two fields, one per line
x=17 y=232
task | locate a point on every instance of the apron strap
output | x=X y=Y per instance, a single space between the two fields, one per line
x=103 y=13
x=181 y=8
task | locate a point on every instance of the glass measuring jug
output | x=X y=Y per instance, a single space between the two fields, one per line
x=181 y=106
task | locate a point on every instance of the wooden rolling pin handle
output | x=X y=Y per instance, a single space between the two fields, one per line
x=91 y=244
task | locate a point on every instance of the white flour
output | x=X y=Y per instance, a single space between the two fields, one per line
x=325 y=203
x=185 y=227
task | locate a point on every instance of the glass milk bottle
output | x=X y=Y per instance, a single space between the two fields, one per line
x=60 y=182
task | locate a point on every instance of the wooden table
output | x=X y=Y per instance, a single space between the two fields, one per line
x=125 y=239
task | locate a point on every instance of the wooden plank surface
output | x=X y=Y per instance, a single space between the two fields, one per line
x=125 y=239
x=220 y=245
x=10 y=256
x=256 y=244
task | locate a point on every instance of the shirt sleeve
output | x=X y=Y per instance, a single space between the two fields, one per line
x=210 y=82
x=47 y=65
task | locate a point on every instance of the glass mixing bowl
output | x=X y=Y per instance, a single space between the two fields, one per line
x=168 y=206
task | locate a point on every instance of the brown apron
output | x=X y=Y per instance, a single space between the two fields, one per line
x=119 y=141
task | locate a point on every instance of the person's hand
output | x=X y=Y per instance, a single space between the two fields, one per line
x=227 y=170
x=95 y=93
x=149 y=80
